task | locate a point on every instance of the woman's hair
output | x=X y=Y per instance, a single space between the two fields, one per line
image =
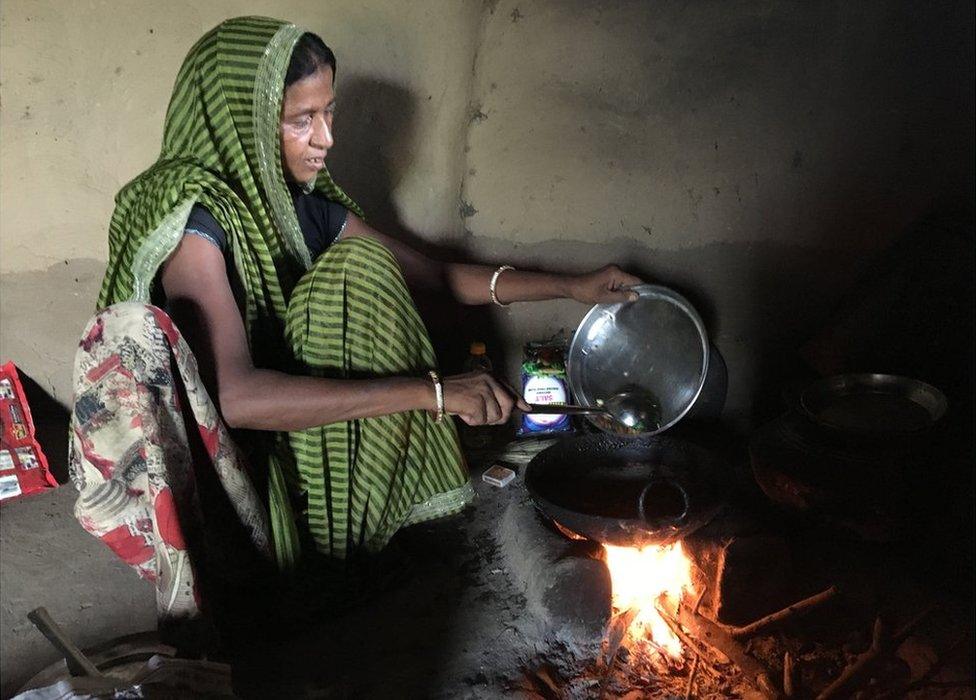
x=309 y=55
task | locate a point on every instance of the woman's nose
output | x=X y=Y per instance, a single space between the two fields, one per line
x=322 y=133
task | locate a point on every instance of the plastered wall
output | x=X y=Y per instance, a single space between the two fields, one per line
x=754 y=155
x=84 y=88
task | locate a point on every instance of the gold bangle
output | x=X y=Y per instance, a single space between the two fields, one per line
x=438 y=395
x=494 y=283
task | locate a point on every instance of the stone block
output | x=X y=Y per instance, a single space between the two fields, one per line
x=566 y=583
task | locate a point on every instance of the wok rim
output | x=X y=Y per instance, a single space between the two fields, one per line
x=637 y=531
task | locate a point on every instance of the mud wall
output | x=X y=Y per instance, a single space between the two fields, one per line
x=755 y=156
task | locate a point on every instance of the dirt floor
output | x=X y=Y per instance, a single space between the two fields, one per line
x=435 y=616
x=47 y=560
x=443 y=614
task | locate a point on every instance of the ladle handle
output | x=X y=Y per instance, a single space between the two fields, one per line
x=560 y=409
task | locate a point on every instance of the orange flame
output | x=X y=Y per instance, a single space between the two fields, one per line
x=640 y=577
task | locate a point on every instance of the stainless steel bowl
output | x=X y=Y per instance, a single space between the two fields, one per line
x=655 y=346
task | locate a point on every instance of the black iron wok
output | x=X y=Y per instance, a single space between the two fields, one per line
x=627 y=492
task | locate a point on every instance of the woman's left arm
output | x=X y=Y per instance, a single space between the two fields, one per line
x=470 y=283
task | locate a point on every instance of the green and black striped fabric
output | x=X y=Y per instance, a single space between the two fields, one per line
x=221 y=149
x=352 y=316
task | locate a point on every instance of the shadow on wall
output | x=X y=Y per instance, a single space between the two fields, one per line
x=50 y=425
x=375 y=126
x=373 y=130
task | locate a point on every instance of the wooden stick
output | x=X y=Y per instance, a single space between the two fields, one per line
x=790 y=611
x=910 y=626
x=788 y=689
x=858 y=666
x=903 y=689
x=680 y=633
x=618 y=630
x=697 y=649
x=863 y=662
x=78 y=664
x=712 y=634
x=691 y=677
x=698 y=601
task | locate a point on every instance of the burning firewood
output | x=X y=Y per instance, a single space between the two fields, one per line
x=617 y=630
x=712 y=634
x=698 y=600
x=691 y=677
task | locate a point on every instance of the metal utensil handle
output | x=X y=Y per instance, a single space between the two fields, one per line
x=565 y=410
x=78 y=664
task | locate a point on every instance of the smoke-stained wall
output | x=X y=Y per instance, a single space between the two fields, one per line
x=753 y=155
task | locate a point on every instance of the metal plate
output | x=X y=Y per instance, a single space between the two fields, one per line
x=873 y=404
x=657 y=343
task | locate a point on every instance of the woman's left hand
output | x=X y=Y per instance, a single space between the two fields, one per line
x=607 y=285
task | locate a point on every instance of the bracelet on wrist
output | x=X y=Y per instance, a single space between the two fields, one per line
x=494 y=283
x=438 y=395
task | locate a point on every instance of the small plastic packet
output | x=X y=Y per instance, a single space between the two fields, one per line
x=23 y=465
x=544 y=381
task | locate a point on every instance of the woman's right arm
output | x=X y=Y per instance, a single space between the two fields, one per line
x=203 y=307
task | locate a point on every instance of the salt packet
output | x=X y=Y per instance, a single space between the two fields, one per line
x=544 y=381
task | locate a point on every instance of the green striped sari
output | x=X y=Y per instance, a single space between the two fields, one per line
x=348 y=313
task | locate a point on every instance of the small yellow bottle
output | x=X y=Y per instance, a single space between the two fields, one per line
x=477 y=436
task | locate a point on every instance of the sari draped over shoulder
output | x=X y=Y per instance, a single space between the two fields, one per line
x=348 y=485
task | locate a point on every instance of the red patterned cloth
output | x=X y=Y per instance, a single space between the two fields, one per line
x=130 y=457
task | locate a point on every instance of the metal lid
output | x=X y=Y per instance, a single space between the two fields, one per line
x=656 y=345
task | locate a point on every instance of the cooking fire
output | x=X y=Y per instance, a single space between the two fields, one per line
x=641 y=578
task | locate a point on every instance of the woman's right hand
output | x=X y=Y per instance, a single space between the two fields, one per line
x=479 y=399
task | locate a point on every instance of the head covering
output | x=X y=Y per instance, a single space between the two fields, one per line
x=221 y=148
x=361 y=479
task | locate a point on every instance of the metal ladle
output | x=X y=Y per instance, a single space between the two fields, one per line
x=636 y=409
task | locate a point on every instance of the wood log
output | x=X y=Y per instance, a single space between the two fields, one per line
x=786 y=613
x=861 y=663
x=712 y=634
x=615 y=636
x=858 y=669
x=693 y=645
x=617 y=631
x=691 y=677
x=788 y=676
x=708 y=655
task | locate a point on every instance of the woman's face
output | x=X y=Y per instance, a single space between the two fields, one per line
x=306 y=125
